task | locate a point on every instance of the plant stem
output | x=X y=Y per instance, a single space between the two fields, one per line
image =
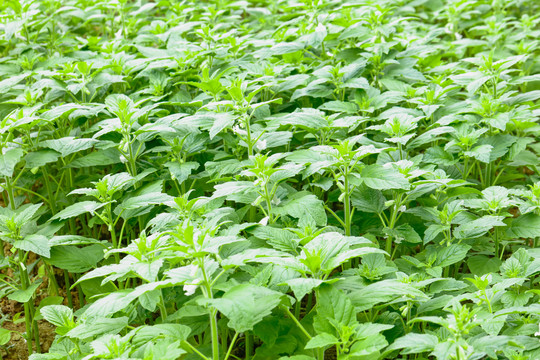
x=11 y=197
x=79 y=290
x=231 y=346
x=213 y=312
x=68 y=290
x=195 y=350
x=35 y=328
x=26 y=306
x=300 y=326
x=49 y=270
x=309 y=302
x=347 y=206
x=249 y=345
x=297 y=308
x=162 y=307
x=112 y=232
x=214 y=333
x=248 y=131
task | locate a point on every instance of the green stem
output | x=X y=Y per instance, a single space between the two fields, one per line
x=300 y=326
x=347 y=207
x=79 y=290
x=28 y=325
x=248 y=131
x=69 y=179
x=334 y=215
x=113 y=233
x=495 y=230
x=213 y=312
x=224 y=337
x=11 y=197
x=392 y=222
x=231 y=346
x=309 y=302
x=162 y=307
x=268 y=198
x=33 y=193
x=49 y=270
x=214 y=333
x=26 y=306
x=52 y=200
x=68 y=289
x=297 y=308
x=35 y=326
x=249 y=345
x=195 y=350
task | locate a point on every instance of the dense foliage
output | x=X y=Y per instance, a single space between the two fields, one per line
x=271 y=179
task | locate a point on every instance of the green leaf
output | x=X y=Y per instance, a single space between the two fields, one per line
x=98 y=326
x=414 y=343
x=521 y=98
x=302 y=286
x=339 y=106
x=481 y=264
x=304 y=206
x=404 y=232
x=433 y=230
x=9 y=82
x=40 y=158
x=382 y=291
x=451 y=254
x=368 y=346
x=306 y=118
x=478 y=227
x=75 y=259
x=38 y=244
x=150 y=299
x=118 y=103
x=525 y=226
x=61 y=240
x=437 y=155
x=334 y=305
x=321 y=341
x=22 y=296
x=58 y=315
x=97 y=158
x=152 y=198
x=221 y=121
x=383 y=178
x=368 y=200
x=59 y=111
x=26 y=213
x=78 y=209
x=231 y=188
x=9 y=160
x=69 y=145
x=481 y=153
x=110 y=304
x=5 y=336
x=180 y=172
x=473 y=80
x=246 y=305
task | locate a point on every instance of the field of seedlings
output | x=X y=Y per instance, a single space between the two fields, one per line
x=270 y=179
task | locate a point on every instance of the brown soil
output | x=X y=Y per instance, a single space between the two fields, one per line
x=17 y=349
x=330 y=354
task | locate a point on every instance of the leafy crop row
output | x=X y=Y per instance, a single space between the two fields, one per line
x=271 y=179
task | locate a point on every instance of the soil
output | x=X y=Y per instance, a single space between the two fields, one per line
x=17 y=349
